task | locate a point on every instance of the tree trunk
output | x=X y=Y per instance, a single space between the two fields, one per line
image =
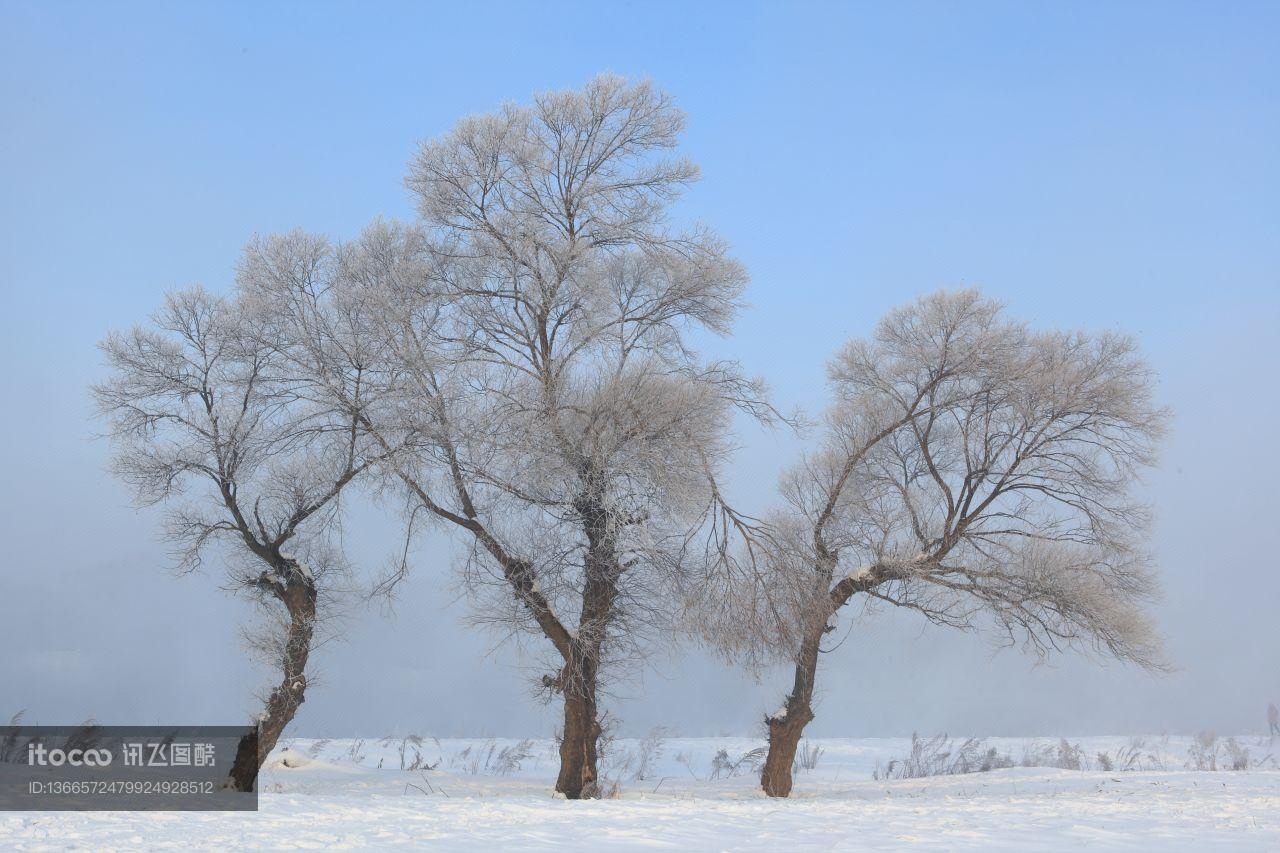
x=298 y=594
x=244 y=772
x=579 y=743
x=786 y=727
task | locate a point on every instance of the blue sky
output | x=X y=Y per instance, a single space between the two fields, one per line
x=1093 y=164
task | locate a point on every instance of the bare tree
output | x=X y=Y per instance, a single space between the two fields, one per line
x=538 y=393
x=972 y=470
x=200 y=409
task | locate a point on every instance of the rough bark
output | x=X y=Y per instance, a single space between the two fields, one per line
x=244 y=772
x=786 y=728
x=579 y=744
x=297 y=593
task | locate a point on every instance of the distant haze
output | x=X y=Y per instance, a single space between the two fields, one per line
x=1092 y=166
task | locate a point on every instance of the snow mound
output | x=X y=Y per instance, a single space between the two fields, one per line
x=291 y=759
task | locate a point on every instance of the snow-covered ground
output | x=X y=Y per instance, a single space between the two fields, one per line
x=354 y=795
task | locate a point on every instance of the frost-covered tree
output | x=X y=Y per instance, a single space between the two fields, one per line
x=971 y=469
x=538 y=394
x=206 y=420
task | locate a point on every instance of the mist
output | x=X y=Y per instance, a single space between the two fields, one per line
x=148 y=162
